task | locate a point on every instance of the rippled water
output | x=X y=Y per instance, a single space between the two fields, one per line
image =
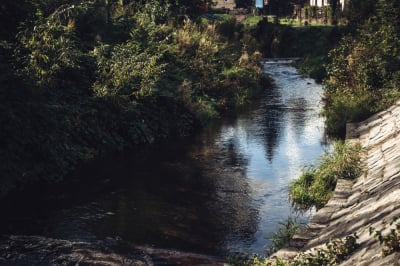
x=224 y=189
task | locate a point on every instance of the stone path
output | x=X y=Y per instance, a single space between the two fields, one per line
x=372 y=200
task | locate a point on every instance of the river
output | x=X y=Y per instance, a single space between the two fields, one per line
x=222 y=190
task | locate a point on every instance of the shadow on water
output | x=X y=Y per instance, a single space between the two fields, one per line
x=223 y=190
x=173 y=195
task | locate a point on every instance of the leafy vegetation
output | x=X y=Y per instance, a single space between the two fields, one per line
x=314 y=49
x=364 y=70
x=390 y=241
x=310 y=44
x=82 y=78
x=287 y=229
x=284 y=234
x=246 y=260
x=279 y=239
x=315 y=186
x=336 y=251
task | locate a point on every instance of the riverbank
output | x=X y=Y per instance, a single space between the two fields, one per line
x=205 y=194
x=74 y=89
x=369 y=203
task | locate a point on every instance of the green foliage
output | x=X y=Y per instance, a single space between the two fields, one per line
x=313 y=66
x=364 y=70
x=251 y=21
x=285 y=233
x=126 y=71
x=315 y=186
x=390 y=241
x=81 y=79
x=310 y=44
x=347 y=108
x=210 y=73
x=50 y=48
x=335 y=252
x=359 y=11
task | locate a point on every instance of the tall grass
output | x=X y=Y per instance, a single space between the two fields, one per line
x=316 y=185
x=287 y=229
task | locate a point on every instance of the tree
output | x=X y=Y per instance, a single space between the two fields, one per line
x=244 y=3
x=280 y=7
x=49 y=48
x=12 y=13
x=358 y=11
x=364 y=76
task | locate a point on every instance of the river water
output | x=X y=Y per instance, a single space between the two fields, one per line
x=223 y=190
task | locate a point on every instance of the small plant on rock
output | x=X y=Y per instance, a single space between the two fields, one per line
x=284 y=234
x=315 y=186
x=390 y=241
x=337 y=251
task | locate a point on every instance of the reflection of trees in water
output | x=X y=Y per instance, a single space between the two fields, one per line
x=297 y=108
x=272 y=129
x=234 y=212
x=272 y=122
x=232 y=199
x=195 y=196
x=196 y=201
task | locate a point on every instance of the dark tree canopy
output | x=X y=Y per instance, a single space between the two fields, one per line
x=358 y=11
x=80 y=78
x=244 y=3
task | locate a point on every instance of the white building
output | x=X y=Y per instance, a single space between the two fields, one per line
x=321 y=3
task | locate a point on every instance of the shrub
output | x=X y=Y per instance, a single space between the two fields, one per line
x=364 y=70
x=313 y=66
x=285 y=233
x=50 y=50
x=335 y=252
x=315 y=186
x=390 y=241
x=127 y=71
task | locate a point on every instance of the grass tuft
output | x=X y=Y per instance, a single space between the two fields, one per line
x=315 y=186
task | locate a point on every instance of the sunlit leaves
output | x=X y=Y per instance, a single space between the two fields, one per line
x=50 y=46
x=365 y=69
x=126 y=71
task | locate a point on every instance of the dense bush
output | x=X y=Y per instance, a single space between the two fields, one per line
x=315 y=186
x=365 y=69
x=310 y=44
x=81 y=79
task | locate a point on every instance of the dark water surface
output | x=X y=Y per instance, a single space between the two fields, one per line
x=222 y=190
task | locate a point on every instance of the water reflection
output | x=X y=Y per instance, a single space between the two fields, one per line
x=185 y=195
x=222 y=190
x=278 y=138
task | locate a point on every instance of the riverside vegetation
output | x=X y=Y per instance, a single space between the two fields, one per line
x=315 y=186
x=313 y=189
x=363 y=76
x=362 y=79
x=83 y=78
x=80 y=79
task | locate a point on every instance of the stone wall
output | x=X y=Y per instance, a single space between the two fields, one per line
x=373 y=200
